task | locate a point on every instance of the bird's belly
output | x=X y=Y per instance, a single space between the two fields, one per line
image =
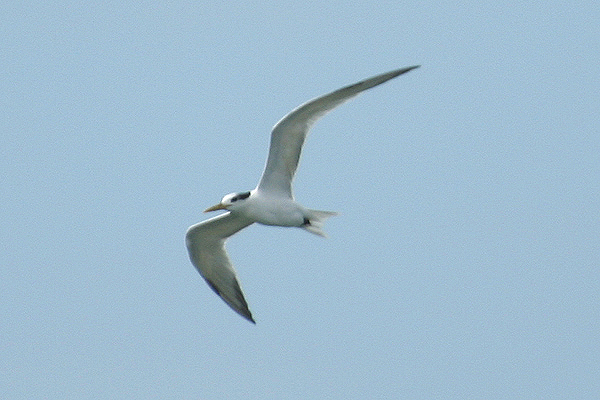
x=281 y=219
x=279 y=215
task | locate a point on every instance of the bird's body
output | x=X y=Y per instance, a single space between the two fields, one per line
x=273 y=210
x=272 y=201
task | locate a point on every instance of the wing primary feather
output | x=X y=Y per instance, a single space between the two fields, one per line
x=205 y=242
x=289 y=133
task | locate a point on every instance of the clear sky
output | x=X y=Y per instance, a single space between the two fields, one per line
x=465 y=260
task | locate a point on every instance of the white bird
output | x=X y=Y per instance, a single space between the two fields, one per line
x=272 y=201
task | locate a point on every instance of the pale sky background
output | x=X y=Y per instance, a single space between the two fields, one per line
x=465 y=260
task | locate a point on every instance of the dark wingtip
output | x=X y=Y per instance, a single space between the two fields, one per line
x=405 y=70
x=243 y=311
x=247 y=314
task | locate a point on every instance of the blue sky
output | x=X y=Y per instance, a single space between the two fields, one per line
x=463 y=264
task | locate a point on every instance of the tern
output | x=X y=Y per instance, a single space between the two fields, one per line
x=272 y=201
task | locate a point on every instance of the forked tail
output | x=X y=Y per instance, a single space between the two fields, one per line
x=315 y=219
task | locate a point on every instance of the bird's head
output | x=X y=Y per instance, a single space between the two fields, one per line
x=230 y=201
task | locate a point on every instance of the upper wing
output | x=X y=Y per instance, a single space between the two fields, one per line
x=205 y=242
x=289 y=133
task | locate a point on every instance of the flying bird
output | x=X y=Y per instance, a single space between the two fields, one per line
x=272 y=201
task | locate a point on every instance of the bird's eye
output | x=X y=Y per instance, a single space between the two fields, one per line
x=233 y=200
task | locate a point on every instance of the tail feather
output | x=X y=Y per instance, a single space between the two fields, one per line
x=315 y=221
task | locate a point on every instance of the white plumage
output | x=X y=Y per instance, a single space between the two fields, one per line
x=272 y=201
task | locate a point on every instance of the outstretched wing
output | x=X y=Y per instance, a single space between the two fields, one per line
x=289 y=133
x=205 y=242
